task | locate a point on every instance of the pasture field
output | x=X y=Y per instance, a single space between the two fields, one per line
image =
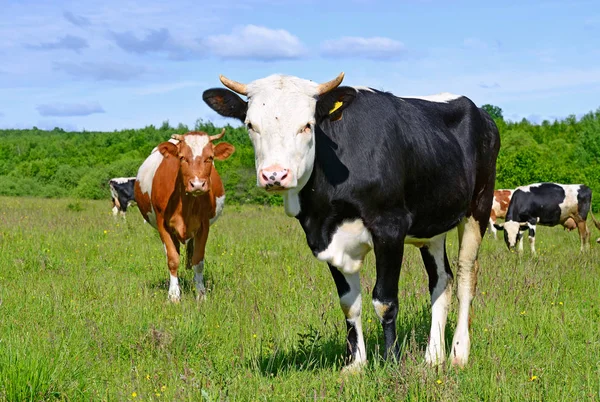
x=84 y=316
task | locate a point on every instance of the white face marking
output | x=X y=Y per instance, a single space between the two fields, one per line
x=351 y=304
x=440 y=303
x=146 y=172
x=218 y=209
x=174 y=291
x=512 y=229
x=121 y=180
x=279 y=107
x=348 y=247
x=443 y=97
x=196 y=143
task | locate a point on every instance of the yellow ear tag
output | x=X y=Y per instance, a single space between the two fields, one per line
x=336 y=107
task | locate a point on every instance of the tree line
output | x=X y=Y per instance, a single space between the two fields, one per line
x=57 y=163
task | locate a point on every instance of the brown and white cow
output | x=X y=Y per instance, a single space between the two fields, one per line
x=500 y=206
x=179 y=192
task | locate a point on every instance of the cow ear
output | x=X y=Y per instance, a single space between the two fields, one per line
x=498 y=226
x=223 y=150
x=226 y=103
x=167 y=148
x=333 y=103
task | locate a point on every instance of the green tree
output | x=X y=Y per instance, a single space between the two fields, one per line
x=494 y=111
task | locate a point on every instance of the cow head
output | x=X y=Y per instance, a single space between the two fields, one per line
x=281 y=114
x=196 y=153
x=513 y=231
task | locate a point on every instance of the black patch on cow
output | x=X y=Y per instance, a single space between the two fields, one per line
x=538 y=205
x=431 y=266
x=584 y=201
x=225 y=102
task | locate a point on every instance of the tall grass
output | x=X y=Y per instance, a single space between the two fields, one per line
x=84 y=316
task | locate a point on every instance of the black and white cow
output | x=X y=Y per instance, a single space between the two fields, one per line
x=121 y=191
x=363 y=169
x=546 y=204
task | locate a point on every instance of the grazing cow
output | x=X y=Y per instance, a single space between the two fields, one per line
x=363 y=169
x=547 y=204
x=500 y=207
x=121 y=191
x=180 y=193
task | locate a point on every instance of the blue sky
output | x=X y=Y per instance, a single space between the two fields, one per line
x=108 y=64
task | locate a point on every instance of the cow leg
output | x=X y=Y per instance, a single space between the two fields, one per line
x=115 y=209
x=172 y=251
x=520 y=248
x=198 y=261
x=388 y=242
x=440 y=287
x=469 y=233
x=584 y=234
x=348 y=288
x=532 y=229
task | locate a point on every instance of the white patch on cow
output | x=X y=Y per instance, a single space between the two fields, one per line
x=465 y=290
x=218 y=209
x=527 y=188
x=174 y=291
x=147 y=171
x=348 y=247
x=121 y=180
x=443 y=97
x=115 y=210
x=197 y=143
x=570 y=205
x=363 y=88
x=441 y=297
x=351 y=304
x=279 y=107
x=199 y=280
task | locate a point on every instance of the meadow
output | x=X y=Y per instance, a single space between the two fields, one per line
x=84 y=316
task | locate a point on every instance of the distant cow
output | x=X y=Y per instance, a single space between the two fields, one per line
x=595 y=223
x=121 y=191
x=547 y=204
x=500 y=207
x=180 y=193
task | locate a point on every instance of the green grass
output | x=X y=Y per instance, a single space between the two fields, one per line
x=84 y=316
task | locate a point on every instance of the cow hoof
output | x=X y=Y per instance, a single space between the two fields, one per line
x=353 y=368
x=459 y=362
x=200 y=297
x=174 y=298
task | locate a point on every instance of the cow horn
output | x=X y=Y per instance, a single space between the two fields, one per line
x=217 y=137
x=234 y=85
x=330 y=85
x=177 y=137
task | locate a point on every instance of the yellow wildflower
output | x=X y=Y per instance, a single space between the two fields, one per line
x=533 y=378
x=134 y=394
x=439 y=381
x=163 y=388
x=523 y=312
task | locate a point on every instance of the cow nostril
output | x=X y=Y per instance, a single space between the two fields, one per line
x=265 y=177
x=284 y=175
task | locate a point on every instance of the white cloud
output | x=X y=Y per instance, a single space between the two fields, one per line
x=76 y=20
x=256 y=42
x=70 y=109
x=370 y=48
x=164 y=88
x=68 y=42
x=157 y=41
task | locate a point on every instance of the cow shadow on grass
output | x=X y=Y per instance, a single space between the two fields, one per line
x=313 y=351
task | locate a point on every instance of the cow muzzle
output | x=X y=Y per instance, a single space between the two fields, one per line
x=275 y=178
x=197 y=187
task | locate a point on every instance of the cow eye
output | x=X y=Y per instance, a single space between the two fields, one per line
x=249 y=125
x=306 y=129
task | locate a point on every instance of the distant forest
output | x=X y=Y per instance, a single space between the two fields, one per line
x=57 y=163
